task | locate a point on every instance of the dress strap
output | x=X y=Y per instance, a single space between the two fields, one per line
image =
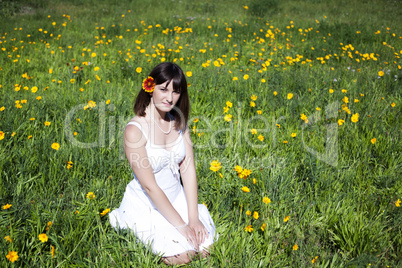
x=139 y=126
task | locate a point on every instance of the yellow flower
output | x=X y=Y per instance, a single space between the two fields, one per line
x=290 y=95
x=380 y=73
x=104 y=212
x=293 y=135
x=254 y=181
x=393 y=104
x=55 y=146
x=30 y=136
x=43 y=238
x=48 y=225
x=39 y=98
x=12 y=256
x=318 y=108
x=189 y=73
x=108 y=101
x=93 y=55
x=314 y=260
x=373 y=140
x=1 y=135
x=246 y=76
x=97 y=77
x=255 y=215
x=96 y=69
x=340 y=122
x=266 y=200
x=248 y=212
x=285 y=142
x=331 y=90
x=7 y=206
x=254 y=97
x=215 y=166
x=259 y=112
x=2 y=108
x=398 y=203
x=52 y=250
x=50 y=71
x=90 y=195
x=235 y=78
x=229 y=104
x=260 y=137
x=304 y=118
x=345 y=99
x=245 y=7
x=356 y=100
x=32 y=119
x=355 y=118
x=195 y=120
x=138 y=69
x=228 y=117
x=253 y=131
x=295 y=247
x=245 y=189
x=8 y=238
x=249 y=228
x=286 y=218
x=275 y=93
x=252 y=103
x=34 y=89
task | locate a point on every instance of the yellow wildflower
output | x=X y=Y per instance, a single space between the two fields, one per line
x=215 y=166
x=43 y=238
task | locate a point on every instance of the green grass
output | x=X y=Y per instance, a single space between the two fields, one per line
x=339 y=189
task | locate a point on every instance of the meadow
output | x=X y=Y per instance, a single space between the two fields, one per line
x=295 y=120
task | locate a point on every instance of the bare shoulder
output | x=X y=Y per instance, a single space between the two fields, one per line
x=133 y=133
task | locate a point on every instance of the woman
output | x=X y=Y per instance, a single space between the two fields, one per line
x=163 y=213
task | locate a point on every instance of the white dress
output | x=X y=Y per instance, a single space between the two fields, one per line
x=138 y=213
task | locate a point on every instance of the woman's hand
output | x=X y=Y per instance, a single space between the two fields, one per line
x=189 y=234
x=199 y=230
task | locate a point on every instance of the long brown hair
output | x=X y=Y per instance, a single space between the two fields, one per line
x=167 y=71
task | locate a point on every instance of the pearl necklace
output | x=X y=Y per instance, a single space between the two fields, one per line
x=166 y=132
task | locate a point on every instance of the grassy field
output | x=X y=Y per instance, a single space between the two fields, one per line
x=299 y=102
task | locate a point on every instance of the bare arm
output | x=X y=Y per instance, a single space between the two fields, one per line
x=189 y=178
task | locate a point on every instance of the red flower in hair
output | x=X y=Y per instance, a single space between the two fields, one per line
x=148 y=84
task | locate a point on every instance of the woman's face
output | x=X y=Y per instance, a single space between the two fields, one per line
x=165 y=96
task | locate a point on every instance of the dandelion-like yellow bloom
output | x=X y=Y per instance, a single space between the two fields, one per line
x=259 y=112
x=90 y=195
x=229 y=104
x=266 y=200
x=55 y=146
x=7 y=206
x=331 y=90
x=50 y=71
x=253 y=131
x=12 y=256
x=355 y=118
x=228 y=117
x=345 y=99
x=286 y=218
x=254 y=97
x=34 y=89
x=263 y=226
x=96 y=69
x=1 y=135
x=256 y=215
x=380 y=73
x=235 y=78
x=43 y=238
x=72 y=80
x=8 y=238
x=275 y=93
x=52 y=251
x=215 y=166
x=245 y=189
x=304 y=118
x=249 y=228
x=290 y=95
x=373 y=140
x=93 y=55
x=295 y=247
x=248 y=212
x=398 y=203
x=246 y=76
x=189 y=73
x=260 y=137
x=293 y=135
x=340 y=122
x=138 y=69
x=314 y=260
x=252 y=103
x=393 y=104
x=104 y=212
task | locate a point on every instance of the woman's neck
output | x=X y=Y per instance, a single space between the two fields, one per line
x=155 y=113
